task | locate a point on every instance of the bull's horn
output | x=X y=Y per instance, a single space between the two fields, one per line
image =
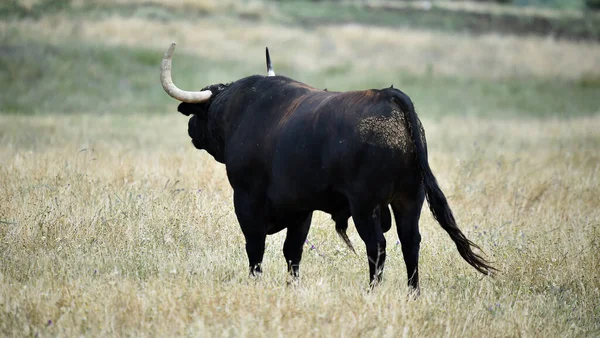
x=270 y=71
x=169 y=86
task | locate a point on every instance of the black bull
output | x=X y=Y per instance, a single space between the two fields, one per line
x=290 y=149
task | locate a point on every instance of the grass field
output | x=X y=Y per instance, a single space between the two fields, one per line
x=112 y=224
x=116 y=225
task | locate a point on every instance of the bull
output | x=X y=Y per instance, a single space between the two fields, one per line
x=290 y=149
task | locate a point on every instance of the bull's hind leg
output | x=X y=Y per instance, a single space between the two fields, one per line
x=341 y=223
x=407 y=213
x=368 y=225
x=251 y=213
x=294 y=242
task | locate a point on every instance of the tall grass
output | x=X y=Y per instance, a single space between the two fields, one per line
x=115 y=225
x=64 y=64
x=413 y=51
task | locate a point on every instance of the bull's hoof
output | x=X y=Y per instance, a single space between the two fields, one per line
x=292 y=281
x=255 y=271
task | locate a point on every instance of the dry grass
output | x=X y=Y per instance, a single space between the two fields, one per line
x=350 y=47
x=209 y=6
x=115 y=225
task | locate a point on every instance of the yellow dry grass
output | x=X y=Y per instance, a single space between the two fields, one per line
x=114 y=225
x=211 y=6
x=364 y=48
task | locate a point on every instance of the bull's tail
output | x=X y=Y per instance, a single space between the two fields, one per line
x=435 y=197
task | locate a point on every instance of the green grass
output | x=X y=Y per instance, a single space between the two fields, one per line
x=558 y=4
x=17 y=9
x=444 y=95
x=75 y=76
x=438 y=18
x=150 y=9
x=81 y=77
x=311 y=13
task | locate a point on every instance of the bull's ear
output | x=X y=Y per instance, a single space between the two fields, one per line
x=186 y=108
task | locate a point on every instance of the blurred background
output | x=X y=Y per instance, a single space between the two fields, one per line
x=502 y=58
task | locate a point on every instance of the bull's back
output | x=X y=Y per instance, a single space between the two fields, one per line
x=339 y=143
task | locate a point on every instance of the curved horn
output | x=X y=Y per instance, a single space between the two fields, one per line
x=171 y=88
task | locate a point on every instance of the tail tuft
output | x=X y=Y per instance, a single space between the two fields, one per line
x=435 y=197
x=442 y=213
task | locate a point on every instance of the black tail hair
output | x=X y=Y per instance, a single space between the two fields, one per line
x=435 y=197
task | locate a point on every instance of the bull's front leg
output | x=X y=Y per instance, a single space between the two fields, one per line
x=297 y=231
x=251 y=213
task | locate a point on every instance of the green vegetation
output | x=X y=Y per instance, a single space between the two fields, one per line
x=558 y=4
x=16 y=8
x=593 y=4
x=79 y=77
x=76 y=75
x=442 y=19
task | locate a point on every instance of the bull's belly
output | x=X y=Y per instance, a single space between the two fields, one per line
x=300 y=199
x=284 y=208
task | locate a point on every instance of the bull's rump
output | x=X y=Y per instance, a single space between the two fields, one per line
x=335 y=146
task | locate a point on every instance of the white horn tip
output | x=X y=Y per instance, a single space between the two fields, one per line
x=170 y=50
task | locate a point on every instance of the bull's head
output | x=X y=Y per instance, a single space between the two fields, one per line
x=208 y=124
x=204 y=128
